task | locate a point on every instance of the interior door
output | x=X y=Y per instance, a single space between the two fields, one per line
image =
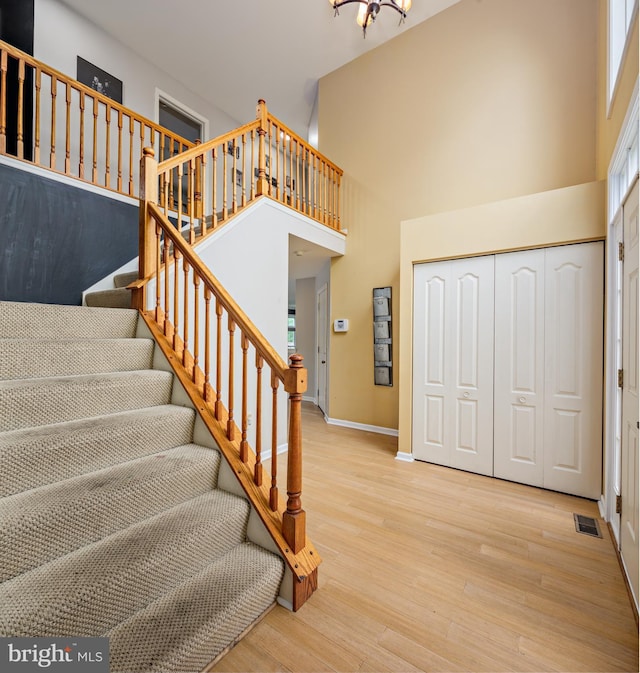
x=519 y=367
x=573 y=362
x=630 y=401
x=453 y=374
x=322 y=326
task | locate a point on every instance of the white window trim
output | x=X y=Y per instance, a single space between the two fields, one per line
x=613 y=79
x=629 y=132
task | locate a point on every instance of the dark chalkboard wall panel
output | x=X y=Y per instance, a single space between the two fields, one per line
x=57 y=240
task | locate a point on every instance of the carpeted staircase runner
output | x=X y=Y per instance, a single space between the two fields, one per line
x=111 y=523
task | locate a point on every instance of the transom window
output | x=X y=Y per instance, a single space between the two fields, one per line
x=621 y=16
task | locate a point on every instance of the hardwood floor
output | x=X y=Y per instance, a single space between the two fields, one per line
x=431 y=569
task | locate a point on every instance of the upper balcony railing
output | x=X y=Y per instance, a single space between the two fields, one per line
x=53 y=121
x=212 y=181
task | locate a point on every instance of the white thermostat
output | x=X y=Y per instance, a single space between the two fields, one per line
x=341 y=325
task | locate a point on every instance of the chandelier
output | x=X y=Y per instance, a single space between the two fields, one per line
x=368 y=10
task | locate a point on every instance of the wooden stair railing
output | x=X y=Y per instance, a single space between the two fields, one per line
x=261 y=158
x=53 y=121
x=230 y=372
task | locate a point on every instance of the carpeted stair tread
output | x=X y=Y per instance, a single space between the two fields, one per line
x=92 y=590
x=188 y=627
x=41 y=401
x=32 y=457
x=44 y=321
x=87 y=508
x=123 y=279
x=118 y=297
x=37 y=358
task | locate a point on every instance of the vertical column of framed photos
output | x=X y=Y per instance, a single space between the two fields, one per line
x=382 y=355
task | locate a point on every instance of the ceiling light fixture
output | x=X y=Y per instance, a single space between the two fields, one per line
x=368 y=10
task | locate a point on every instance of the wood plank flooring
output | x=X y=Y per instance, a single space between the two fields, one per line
x=431 y=569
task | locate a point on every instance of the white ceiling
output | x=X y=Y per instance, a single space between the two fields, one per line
x=233 y=52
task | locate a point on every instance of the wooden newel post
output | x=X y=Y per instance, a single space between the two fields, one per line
x=262 y=186
x=146 y=225
x=293 y=520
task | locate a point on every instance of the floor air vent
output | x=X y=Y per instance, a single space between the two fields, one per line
x=587 y=525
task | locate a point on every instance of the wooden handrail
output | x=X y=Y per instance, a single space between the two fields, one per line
x=202 y=148
x=101 y=139
x=181 y=308
x=277 y=364
x=207 y=184
x=303 y=143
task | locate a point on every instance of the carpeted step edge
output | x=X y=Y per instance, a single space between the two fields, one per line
x=87 y=508
x=33 y=321
x=29 y=457
x=119 y=297
x=41 y=358
x=42 y=401
x=125 y=278
x=191 y=625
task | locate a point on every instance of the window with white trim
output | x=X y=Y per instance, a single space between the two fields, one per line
x=621 y=16
x=625 y=163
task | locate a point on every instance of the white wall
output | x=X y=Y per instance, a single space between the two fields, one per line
x=61 y=35
x=250 y=258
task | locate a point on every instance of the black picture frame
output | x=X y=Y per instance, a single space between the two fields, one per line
x=99 y=80
x=230 y=149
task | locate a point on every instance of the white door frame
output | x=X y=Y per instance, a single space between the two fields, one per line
x=322 y=325
x=614 y=362
x=178 y=105
x=617 y=194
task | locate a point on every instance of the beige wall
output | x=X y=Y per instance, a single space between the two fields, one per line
x=489 y=100
x=568 y=215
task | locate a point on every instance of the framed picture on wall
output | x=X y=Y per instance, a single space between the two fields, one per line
x=230 y=147
x=99 y=80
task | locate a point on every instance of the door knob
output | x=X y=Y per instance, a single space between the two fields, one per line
x=324 y=362
x=465 y=395
x=522 y=400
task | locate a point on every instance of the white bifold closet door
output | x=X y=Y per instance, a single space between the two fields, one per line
x=508 y=366
x=453 y=379
x=548 y=368
x=519 y=367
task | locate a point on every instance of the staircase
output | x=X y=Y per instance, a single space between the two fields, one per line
x=117 y=297
x=111 y=522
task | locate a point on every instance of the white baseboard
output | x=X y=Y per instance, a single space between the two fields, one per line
x=362 y=426
x=405 y=457
x=313 y=400
x=602 y=507
x=283 y=448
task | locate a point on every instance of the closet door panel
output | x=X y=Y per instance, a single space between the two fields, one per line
x=573 y=357
x=519 y=367
x=453 y=364
x=432 y=379
x=472 y=306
